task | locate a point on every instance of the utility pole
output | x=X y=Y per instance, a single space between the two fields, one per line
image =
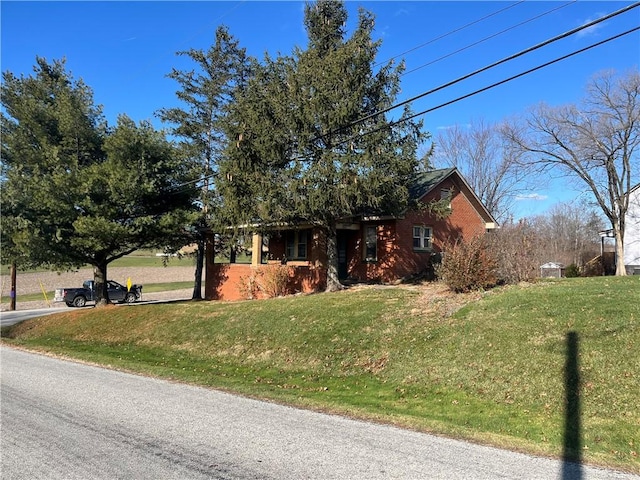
x=12 y=295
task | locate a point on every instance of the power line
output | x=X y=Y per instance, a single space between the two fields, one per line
x=216 y=21
x=493 y=85
x=456 y=30
x=453 y=82
x=488 y=38
x=495 y=64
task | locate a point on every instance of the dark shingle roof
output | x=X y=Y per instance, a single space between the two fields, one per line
x=423 y=182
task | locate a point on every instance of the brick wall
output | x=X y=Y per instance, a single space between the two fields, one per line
x=224 y=280
x=396 y=257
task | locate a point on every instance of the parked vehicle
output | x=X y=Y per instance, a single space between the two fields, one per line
x=78 y=297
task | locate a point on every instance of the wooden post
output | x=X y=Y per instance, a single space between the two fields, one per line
x=12 y=295
x=256 y=249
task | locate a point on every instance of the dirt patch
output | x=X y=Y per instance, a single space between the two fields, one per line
x=438 y=300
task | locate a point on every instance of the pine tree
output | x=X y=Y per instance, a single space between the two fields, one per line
x=75 y=192
x=306 y=140
x=51 y=131
x=205 y=95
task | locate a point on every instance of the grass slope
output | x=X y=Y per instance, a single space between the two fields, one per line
x=493 y=372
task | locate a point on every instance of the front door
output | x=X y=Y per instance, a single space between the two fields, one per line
x=343 y=266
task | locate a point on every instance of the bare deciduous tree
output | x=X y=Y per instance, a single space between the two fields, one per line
x=569 y=233
x=516 y=245
x=480 y=153
x=594 y=143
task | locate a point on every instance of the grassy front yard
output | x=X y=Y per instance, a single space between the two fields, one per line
x=495 y=371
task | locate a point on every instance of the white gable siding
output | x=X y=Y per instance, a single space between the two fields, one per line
x=632 y=232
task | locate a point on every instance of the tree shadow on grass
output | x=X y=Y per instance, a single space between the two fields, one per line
x=572 y=444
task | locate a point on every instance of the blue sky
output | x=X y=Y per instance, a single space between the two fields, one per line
x=123 y=51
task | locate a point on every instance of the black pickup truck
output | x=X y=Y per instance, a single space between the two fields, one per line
x=78 y=297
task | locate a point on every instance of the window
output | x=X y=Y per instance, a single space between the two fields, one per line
x=297 y=245
x=371 y=243
x=445 y=196
x=422 y=238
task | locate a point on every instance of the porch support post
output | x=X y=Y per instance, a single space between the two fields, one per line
x=256 y=249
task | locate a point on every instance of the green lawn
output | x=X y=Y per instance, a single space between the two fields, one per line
x=494 y=372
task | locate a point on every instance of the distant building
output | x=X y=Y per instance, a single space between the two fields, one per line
x=631 y=233
x=552 y=270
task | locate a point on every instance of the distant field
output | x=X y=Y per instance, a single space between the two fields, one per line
x=550 y=368
x=31 y=285
x=134 y=260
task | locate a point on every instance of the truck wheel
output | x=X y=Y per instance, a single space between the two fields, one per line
x=79 y=301
x=130 y=298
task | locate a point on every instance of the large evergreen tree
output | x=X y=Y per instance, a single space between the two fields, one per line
x=51 y=130
x=205 y=94
x=306 y=143
x=75 y=192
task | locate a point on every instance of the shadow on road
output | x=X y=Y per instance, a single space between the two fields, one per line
x=572 y=444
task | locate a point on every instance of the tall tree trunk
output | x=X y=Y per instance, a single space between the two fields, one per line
x=333 y=281
x=620 y=268
x=100 y=287
x=197 y=285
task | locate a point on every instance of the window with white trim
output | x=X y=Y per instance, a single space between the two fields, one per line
x=371 y=243
x=422 y=237
x=297 y=245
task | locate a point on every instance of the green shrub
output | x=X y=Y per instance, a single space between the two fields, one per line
x=572 y=271
x=468 y=266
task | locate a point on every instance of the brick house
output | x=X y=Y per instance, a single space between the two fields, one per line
x=370 y=249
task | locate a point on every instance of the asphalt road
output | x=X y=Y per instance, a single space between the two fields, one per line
x=65 y=420
x=28 y=310
x=17 y=316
